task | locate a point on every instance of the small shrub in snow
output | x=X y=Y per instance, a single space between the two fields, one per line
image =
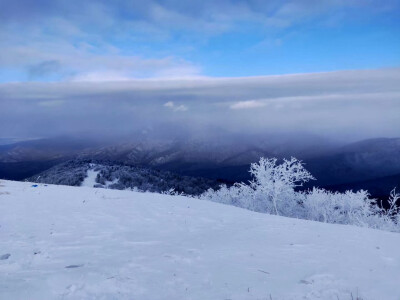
x=343 y=208
x=392 y=214
x=238 y=195
x=172 y=192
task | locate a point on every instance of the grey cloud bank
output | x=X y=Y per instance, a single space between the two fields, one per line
x=344 y=104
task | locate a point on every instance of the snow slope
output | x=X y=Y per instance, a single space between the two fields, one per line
x=90 y=180
x=85 y=243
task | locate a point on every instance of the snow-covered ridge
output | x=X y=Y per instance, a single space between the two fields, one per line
x=59 y=242
x=119 y=176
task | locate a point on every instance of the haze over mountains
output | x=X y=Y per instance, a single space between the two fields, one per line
x=368 y=164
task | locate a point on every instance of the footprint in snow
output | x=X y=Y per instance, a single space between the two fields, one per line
x=5 y=256
x=305 y=281
x=73 y=266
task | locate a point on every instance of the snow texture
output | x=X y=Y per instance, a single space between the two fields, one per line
x=60 y=242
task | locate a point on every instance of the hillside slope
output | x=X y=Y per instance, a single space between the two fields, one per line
x=120 y=177
x=60 y=242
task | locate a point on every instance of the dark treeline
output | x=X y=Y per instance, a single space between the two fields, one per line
x=123 y=176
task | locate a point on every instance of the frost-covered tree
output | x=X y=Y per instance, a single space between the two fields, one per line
x=239 y=195
x=273 y=184
x=343 y=208
x=273 y=190
x=392 y=213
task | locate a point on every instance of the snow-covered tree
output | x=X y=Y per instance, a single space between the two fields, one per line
x=343 y=208
x=273 y=184
x=273 y=190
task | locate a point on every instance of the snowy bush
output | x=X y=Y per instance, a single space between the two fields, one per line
x=391 y=216
x=343 y=208
x=237 y=195
x=273 y=190
x=273 y=184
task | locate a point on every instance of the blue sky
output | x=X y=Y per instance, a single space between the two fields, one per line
x=47 y=40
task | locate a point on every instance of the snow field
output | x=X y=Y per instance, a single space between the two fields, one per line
x=60 y=242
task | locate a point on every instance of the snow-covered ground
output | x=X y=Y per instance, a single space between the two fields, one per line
x=59 y=242
x=90 y=179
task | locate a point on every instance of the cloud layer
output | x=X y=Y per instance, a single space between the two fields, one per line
x=346 y=105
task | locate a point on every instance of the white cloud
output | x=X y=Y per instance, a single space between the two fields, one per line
x=171 y=105
x=248 y=104
x=181 y=108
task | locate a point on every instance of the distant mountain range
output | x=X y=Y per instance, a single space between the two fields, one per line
x=373 y=163
x=361 y=161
